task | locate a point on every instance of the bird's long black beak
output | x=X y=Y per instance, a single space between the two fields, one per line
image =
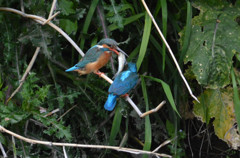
x=120 y=50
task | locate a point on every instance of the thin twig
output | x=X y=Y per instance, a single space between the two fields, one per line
x=66 y=112
x=49 y=19
x=3 y=151
x=26 y=73
x=189 y=142
x=52 y=112
x=14 y=147
x=22 y=6
x=52 y=8
x=24 y=152
x=163 y=144
x=128 y=150
x=153 y=110
x=65 y=153
x=102 y=21
x=170 y=50
x=124 y=139
x=17 y=65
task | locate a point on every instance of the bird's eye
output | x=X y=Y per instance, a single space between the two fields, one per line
x=109 y=45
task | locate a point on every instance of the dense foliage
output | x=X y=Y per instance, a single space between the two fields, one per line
x=204 y=36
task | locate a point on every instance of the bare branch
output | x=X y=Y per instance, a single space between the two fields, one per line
x=128 y=150
x=3 y=151
x=50 y=18
x=65 y=153
x=41 y=21
x=22 y=6
x=26 y=73
x=163 y=144
x=52 y=8
x=170 y=50
x=52 y=112
x=66 y=112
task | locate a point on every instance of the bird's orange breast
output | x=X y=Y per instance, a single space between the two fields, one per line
x=102 y=60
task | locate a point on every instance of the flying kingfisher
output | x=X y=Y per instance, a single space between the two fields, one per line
x=95 y=58
x=122 y=84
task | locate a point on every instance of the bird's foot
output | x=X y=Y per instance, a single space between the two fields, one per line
x=124 y=95
x=99 y=73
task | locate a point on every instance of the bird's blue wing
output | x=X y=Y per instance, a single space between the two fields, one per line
x=123 y=83
x=92 y=55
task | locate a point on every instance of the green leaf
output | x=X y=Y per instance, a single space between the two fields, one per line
x=126 y=21
x=68 y=25
x=148 y=129
x=115 y=126
x=145 y=40
x=55 y=127
x=116 y=13
x=167 y=91
x=164 y=30
x=39 y=37
x=66 y=7
x=214 y=40
x=217 y=104
x=11 y=114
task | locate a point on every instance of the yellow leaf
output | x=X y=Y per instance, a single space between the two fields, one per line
x=218 y=104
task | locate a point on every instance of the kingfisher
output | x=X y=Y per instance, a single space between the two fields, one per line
x=121 y=85
x=95 y=58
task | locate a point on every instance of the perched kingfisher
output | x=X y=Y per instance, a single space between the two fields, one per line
x=122 y=84
x=95 y=58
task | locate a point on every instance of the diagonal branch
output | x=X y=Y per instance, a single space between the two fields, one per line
x=52 y=8
x=3 y=151
x=170 y=50
x=128 y=150
x=26 y=73
x=41 y=20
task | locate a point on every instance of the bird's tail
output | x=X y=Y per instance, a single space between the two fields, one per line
x=111 y=102
x=72 y=68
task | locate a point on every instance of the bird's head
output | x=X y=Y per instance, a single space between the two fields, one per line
x=112 y=44
x=109 y=42
x=106 y=48
x=132 y=67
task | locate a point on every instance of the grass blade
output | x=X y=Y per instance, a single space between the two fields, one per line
x=148 y=129
x=187 y=32
x=88 y=21
x=115 y=126
x=145 y=39
x=167 y=91
x=236 y=99
x=164 y=29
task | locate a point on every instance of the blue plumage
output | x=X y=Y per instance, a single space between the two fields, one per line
x=122 y=84
x=92 y=55
x=111 y=102
x=72 y=68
